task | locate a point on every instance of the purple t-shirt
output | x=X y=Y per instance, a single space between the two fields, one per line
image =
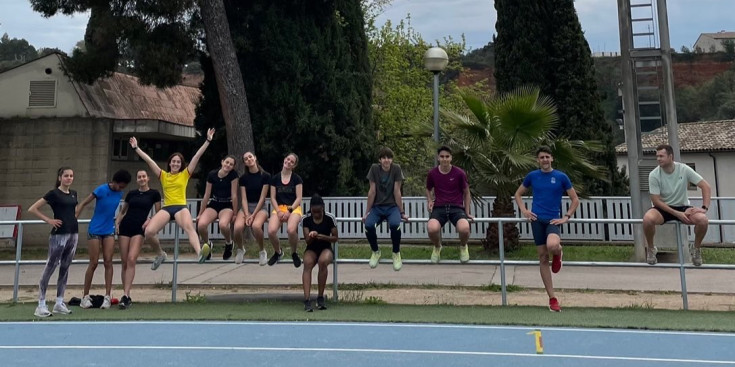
x=449 y=187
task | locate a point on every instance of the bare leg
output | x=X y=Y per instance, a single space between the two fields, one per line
x=108 y=250
x=325 y=258
x=93 y=248
x=543 y=257
x=225 y=224
x=435 y=228
x=651 y=219
x=183 y=219
x=257 y=228
x=203 y=223
x=131 y=259
x=309 y=262
x=293 y=231
x=274 y=224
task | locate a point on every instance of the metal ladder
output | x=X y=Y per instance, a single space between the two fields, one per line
x=647 y=67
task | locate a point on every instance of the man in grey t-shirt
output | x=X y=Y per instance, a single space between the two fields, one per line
x=668 y=188
x=384 y=203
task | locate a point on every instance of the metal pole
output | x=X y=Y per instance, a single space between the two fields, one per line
x=335 y=294
x=18 y=248
x=632 y=127
x=176 y=263
x=682 y=270
x=501 y=249
x=436 y=107
x=672 y=124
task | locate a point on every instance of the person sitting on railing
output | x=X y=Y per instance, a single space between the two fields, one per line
x=452 y=202
x=101 y=232
x=286 y=193
x=173 y=183
x=320 y=232
x=549 y=185
x=62 y=243
x=254 y=188
x=668 y=188
x=219 y=202
x=384 y=202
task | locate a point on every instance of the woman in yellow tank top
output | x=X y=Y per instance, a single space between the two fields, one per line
x=173 y=183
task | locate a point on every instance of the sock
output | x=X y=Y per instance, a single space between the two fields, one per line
x=41 y=302
x=59 y=300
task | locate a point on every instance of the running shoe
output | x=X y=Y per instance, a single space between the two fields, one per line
x=42 y=311
x=211 y=249
x=296 y=260
x=262 y=258
x=307 y=306
x=374 y=259
x=651 y=255
x=125 y=302
x=275 y=258
x=160 y=258
x=86 y=302
x=205 y=253
x=397 y=263
x=464 y=254
x=554 y=305
x=696 y=256
x=556 y=262
x=61 y=308
x=320 y=303
x=228 y=252
x=106 y=303
x=240 y=256
x=436 y=255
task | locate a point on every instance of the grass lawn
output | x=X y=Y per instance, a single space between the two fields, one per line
x=626 y=318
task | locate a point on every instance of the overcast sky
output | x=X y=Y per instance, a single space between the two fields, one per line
x=434 y=19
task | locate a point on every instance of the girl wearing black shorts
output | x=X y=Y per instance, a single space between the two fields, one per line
x=254 y=188
x=218 y=197
x=320 y=232
x=130 y=225
x=62 y=244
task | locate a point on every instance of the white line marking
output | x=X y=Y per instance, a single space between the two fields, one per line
x=388 y=325
x=358 y=350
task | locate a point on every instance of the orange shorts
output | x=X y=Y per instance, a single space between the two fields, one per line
x=284 y=208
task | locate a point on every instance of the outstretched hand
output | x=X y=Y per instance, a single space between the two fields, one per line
x=210 y=133
x=133 y=142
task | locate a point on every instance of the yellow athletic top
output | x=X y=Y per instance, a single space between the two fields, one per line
x=174 y=187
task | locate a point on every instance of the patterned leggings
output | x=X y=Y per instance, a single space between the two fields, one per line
x=61 y=250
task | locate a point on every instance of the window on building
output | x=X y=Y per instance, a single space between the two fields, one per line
x=689 y=185
x=121 y=149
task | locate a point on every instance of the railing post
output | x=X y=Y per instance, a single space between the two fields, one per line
x=335 y=293
x=501 y=249
x=18 y=248
x=682 y=270
x=176 y=263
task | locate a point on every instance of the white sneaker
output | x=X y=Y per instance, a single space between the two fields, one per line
x=240 y=255
x=86 y=302
x=263 y=258
x=160 y=258
x=61 y=308
x=42 y=311
x=374 y=259
x=106 y=303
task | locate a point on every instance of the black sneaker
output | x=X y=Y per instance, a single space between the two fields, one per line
x=228 y=252
x=211 y=250
x=275 y=258
x=296 y=260
x=307 y=306
x=320 y=303
x=125 y=302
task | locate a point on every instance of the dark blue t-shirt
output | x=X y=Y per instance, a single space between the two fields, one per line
x=548 y=188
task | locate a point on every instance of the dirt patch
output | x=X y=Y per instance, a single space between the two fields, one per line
x=422 y=296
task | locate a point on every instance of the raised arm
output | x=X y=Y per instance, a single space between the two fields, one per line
x=145 y=157
x=195 y=160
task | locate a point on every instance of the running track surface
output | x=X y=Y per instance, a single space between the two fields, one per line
x=209 y=344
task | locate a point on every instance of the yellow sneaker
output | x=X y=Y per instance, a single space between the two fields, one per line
x=374 y=259
x=436 y=255
x=397 y=263
x=464 y=254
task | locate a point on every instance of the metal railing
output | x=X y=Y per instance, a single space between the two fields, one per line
x=501 y=262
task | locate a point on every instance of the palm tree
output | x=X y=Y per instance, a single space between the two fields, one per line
x=496 y=143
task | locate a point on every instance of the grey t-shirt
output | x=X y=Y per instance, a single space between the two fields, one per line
x=384 y=183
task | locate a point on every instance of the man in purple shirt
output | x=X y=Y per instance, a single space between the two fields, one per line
x=451 y=191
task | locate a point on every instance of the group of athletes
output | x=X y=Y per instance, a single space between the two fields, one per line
x=447 y=193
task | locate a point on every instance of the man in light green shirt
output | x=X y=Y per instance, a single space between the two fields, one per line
x=668 y=188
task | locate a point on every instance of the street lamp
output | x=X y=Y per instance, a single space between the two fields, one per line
x=435 y=60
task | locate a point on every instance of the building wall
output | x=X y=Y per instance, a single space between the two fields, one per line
x=15 y=90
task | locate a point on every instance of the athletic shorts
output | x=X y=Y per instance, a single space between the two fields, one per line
x=131 y=228
x=319 y=248
x=284 y=208
x=251 y=208
x=445 y=213
x=218 y=206
x=173 y=209
x=668 y=216
x=541 y=229
x=94 y=236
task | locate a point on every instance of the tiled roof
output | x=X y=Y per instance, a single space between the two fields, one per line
x=706 y=136
x=720 y=35
x=121 y=97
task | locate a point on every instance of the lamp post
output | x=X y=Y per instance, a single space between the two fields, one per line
x=435 y=60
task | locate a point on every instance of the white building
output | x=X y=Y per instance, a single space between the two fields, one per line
x=712 y=42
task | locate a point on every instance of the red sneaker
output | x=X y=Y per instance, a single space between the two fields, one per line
x=556 y=262
x=554 y=305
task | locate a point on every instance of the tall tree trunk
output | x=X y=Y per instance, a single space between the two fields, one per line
x=230 y=84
